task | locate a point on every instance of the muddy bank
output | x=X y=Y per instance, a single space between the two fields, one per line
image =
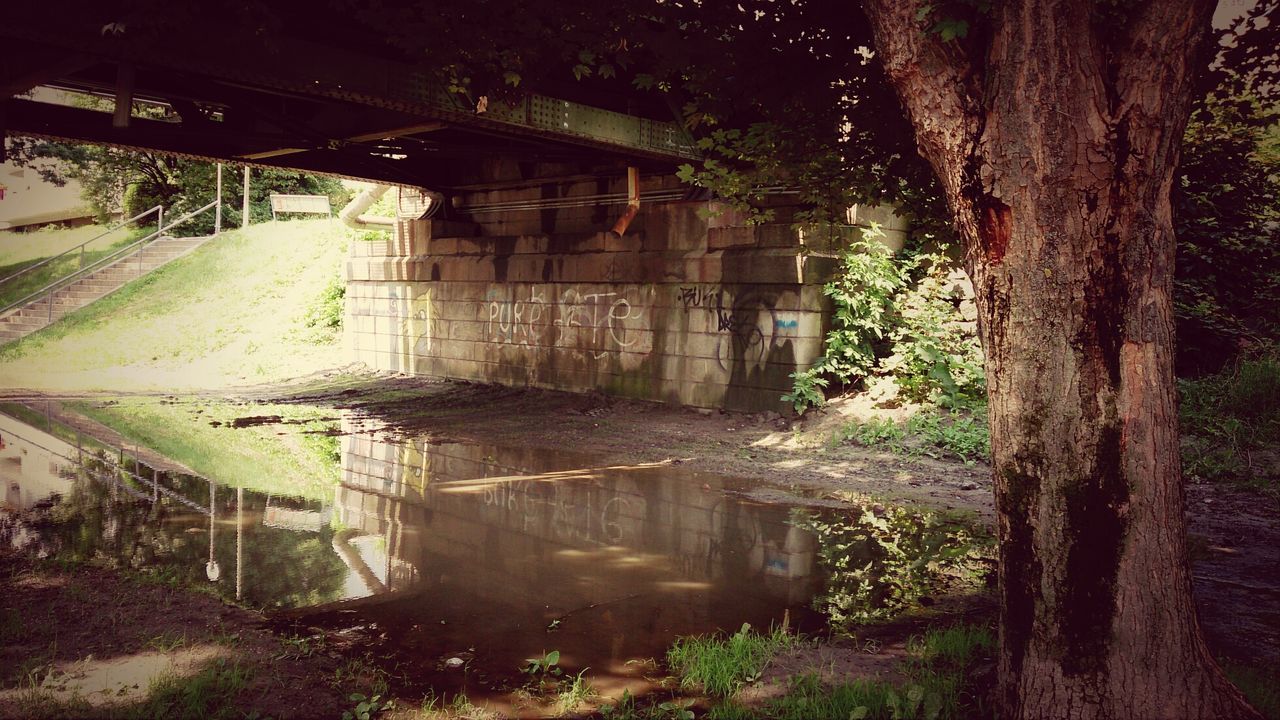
x=534 y=453
x=90 y=641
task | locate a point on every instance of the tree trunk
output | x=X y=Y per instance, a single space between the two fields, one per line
x=1055 y=136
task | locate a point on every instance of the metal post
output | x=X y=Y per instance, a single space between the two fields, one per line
x=239 y=537
x=217 y=209
x=244 y=205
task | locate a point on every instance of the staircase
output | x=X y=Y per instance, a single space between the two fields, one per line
x=45 y=309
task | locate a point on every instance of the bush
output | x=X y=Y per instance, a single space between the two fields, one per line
x=1230 y=418
x=897 y=317
x=1227 y=284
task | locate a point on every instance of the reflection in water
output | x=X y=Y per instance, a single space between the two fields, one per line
x=501 y=554
x=888 y=560
x=483 y=553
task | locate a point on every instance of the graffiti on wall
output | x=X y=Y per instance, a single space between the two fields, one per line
x=748 y=323
x=598 y=323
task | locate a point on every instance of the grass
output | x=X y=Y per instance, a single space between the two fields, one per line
x=1231 y=422
x=207 y=694
x=1261 y=687
x=298 y=463
x=576 y=693
x=960 y=433
x=720 y=665
x=940 y=683
x=22 y=250
x=246 y=298
x=37 y=419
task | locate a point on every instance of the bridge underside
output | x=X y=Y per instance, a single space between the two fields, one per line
x=520 y=279
x=316 y=96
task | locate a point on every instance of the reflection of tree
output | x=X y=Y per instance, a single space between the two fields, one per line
x=281 y=567
x=886 y=560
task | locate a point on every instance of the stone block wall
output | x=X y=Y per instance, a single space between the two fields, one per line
x=687 y=307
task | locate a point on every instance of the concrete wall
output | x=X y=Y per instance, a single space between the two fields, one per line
x=688 y=307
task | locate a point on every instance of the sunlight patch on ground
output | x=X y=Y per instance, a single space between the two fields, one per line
x=115 y=681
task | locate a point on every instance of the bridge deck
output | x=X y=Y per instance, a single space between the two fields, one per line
x=291 y=101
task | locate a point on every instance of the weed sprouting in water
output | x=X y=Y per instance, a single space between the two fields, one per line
x=543 y=669
x=576 y=693
x=366 y=707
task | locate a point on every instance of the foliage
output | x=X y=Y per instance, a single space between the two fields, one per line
x=1227 y=284
x=941 y=672
x=131 y=182
x=958 y=432
x=720 y=665
x=936 y=356
x=543 y=669
x=324 y=315
x=208 y=694
x=897 y=317
x=366 y=707
x=627 y=709
x=1231 y=421
x=887 y=561
x=1260 y=685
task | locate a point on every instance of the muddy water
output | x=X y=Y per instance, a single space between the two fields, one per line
x=452 y=562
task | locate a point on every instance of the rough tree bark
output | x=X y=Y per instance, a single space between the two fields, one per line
x=1055 y=134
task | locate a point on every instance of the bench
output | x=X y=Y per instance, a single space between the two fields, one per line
x=316 y=204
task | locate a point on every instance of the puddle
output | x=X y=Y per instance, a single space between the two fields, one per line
x=451 y=563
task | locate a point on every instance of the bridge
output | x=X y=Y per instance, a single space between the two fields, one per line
x=542 y=237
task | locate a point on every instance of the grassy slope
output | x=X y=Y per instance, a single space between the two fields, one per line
x=231 y=312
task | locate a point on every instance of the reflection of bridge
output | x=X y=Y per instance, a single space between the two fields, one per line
x=539 y=522
x=571 y=256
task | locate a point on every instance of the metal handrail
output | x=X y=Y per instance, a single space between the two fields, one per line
x=160 y=489
x=81 y=246
x=56 y=285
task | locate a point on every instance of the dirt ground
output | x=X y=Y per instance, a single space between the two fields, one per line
x=1235 y=535
x=91 y=641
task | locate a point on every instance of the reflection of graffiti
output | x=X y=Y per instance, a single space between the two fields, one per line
x=570 y=520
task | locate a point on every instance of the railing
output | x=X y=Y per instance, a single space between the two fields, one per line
x=119 y=254
x=159 y=210
x=117 y=469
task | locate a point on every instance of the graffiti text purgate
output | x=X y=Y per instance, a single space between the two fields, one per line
x=515 y=321
x=595 y=322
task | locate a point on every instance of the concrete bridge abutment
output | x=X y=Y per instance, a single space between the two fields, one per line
x=692 y=306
